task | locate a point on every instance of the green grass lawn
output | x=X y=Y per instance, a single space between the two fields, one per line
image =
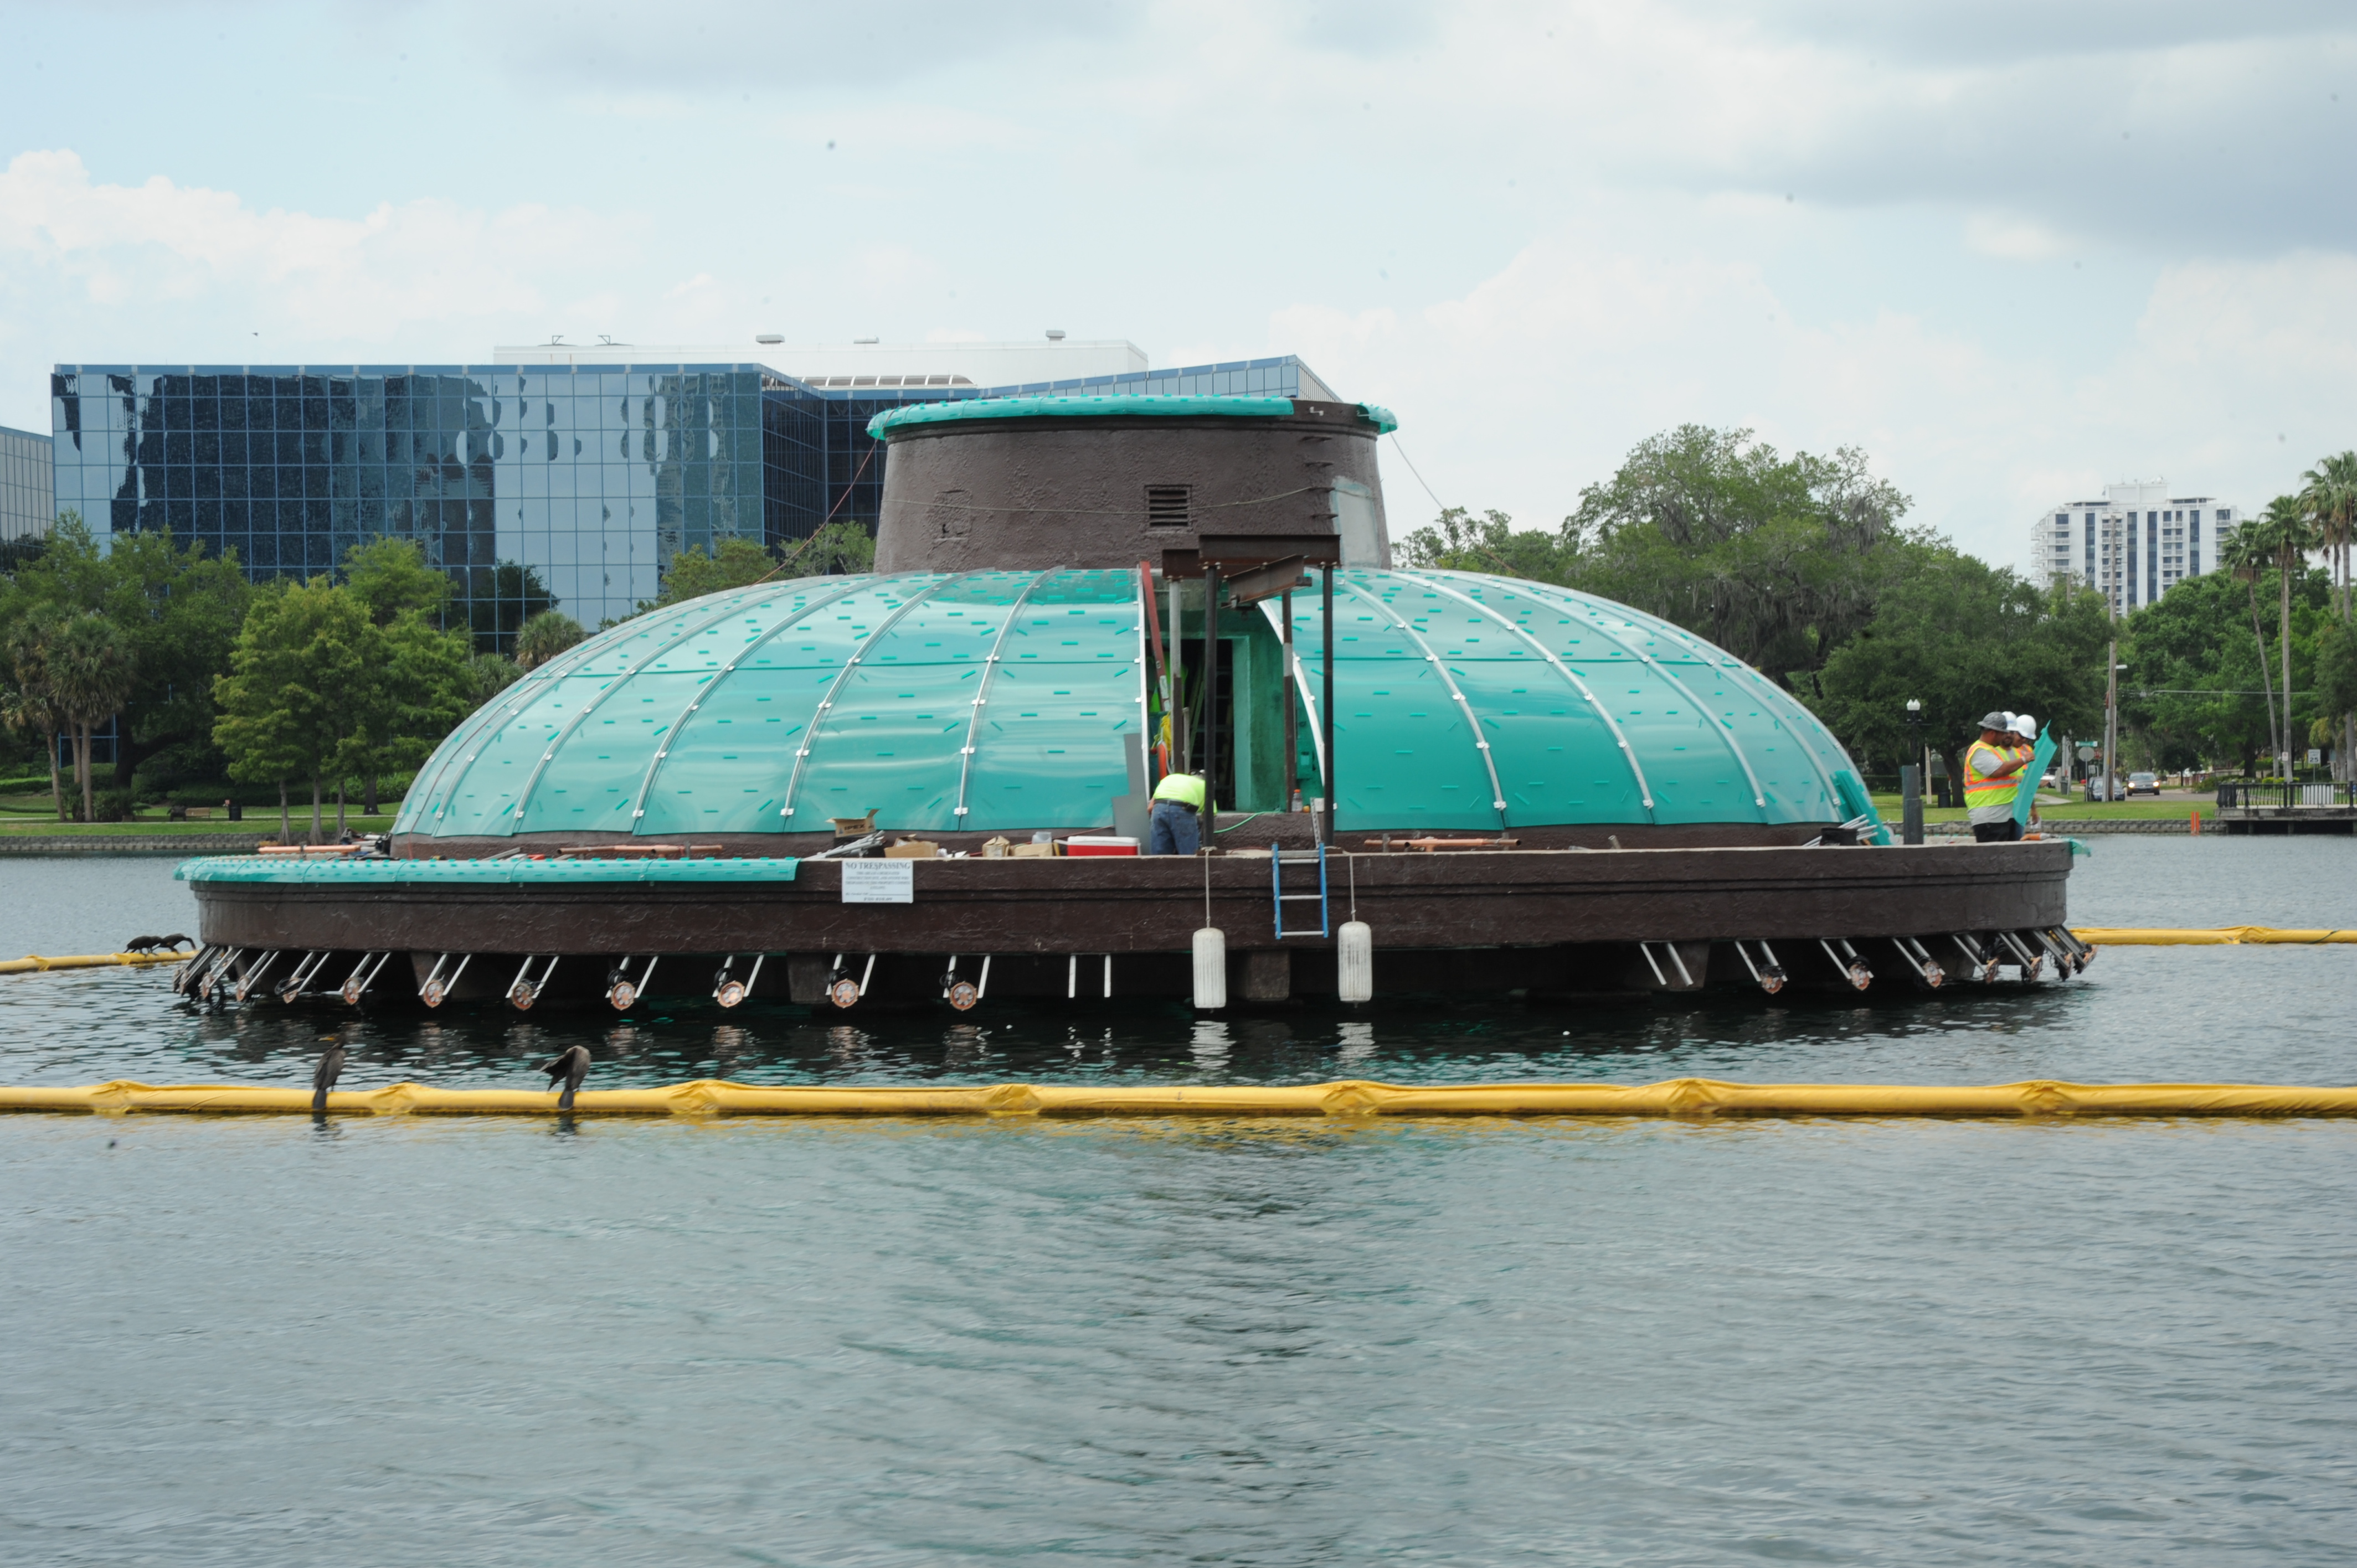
x=2054 y=808
x=15 y=825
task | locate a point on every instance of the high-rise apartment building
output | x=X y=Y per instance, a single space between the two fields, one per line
x=2134 y=545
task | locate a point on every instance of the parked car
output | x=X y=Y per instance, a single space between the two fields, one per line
x=2143 y=784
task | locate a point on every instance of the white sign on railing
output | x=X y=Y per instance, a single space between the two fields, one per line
x=879 y=881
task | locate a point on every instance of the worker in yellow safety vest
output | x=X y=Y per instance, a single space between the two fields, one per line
x=1177 y=827
x=1992 y=766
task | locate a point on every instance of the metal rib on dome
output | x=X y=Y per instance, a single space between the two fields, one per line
x=999 y=701
x=1480 y=745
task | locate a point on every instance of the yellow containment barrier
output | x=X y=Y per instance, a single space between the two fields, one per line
x=2219 y=937
x=34 y=964
x=1350 y=1099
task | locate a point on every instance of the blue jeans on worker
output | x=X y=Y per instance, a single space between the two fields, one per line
x=1176 y=830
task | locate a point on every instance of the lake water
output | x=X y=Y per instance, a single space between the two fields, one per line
x=413 y=1341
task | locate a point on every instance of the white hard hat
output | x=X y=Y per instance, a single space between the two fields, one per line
x=2025 y=727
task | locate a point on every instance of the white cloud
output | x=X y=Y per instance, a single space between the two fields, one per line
x=1539 y=379
x=2015 y=239
x=190 y=249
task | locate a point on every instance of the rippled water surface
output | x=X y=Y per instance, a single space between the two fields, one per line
x=256 y=1341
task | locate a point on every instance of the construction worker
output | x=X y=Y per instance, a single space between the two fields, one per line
x=1176 y=826
x=2025 y=727
x=1992 y=766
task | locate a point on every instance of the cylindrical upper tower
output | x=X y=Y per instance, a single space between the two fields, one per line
x=1111 y=482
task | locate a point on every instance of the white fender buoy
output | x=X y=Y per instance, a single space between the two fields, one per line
x=1354 y=962
x=1210 y=968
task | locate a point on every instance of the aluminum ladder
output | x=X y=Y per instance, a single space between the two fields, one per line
x=1278 y=859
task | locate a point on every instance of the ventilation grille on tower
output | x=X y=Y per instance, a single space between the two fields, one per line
x=1165 y=505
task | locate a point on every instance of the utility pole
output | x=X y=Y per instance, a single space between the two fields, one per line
x=2111 y=694
x=2111 y=720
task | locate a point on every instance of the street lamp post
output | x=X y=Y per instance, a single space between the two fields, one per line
x=2111 y=722
x=1911 y=779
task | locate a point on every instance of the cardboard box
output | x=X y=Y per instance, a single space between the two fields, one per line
x=914 y=849
x=1033 y=852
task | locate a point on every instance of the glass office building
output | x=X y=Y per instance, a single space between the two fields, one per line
x=25 y=486
x=589 y=477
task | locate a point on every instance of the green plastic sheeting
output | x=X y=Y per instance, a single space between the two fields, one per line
x=516 y=870
x=1001 y=701
x=2025 y=795
x=1068 y=407
x=1465 y=700
x=1382 y=418
x=983 y=700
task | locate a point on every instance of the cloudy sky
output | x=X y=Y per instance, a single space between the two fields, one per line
x=2014 y=251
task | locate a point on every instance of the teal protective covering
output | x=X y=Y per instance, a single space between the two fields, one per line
x=986 y=700
x=999 y=701
x=1477 y=701
x=1068 y=407
x=516 y=871
x=2025 y=797
x=1382 y=418
x=1855 y=803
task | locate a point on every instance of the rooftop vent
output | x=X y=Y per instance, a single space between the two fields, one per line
x=1055 y=334
x=769 y=338
x=1167 y=505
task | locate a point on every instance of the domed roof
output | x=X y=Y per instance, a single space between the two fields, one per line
x=1001 y=701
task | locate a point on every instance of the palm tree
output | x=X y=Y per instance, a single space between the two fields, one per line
x=544 y=637
x=2330 y=497
x=2282 y=536
x=2237 y=556
x=92 y=671
x=30 y=705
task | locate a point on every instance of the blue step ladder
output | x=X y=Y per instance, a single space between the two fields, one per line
x=1278 y=859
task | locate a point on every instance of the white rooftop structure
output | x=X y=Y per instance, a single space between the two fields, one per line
x=864 y=364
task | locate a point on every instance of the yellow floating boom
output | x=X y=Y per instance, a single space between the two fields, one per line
x=1350 y=1099
x=34 y=964
x=2217 y=936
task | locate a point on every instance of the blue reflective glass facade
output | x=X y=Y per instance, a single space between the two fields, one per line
x=593 y=477
x=25 y=484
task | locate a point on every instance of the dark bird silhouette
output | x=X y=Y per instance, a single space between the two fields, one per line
x=572 y=1065
x=149 y=944
x=176 y=941
x=323 y=1078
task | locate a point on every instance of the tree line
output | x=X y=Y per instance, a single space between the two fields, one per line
x=1803 y=567
x=340 y=680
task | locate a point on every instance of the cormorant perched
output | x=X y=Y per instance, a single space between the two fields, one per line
x=572 y=1065
x=323 y=1078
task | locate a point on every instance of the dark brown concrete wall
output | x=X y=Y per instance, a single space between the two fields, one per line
x=1036 y=493
x=1130 y=905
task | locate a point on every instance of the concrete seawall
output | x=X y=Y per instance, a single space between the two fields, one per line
x=133 y=843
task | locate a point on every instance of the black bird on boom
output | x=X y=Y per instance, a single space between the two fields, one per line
x=572 y=1065
x=323 y=1078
